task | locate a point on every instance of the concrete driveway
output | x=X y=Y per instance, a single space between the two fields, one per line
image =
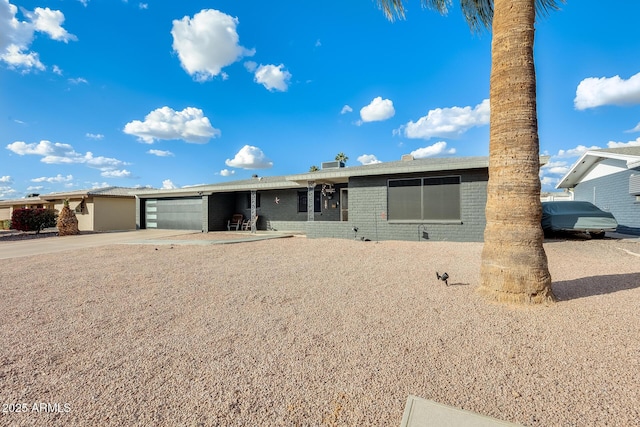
x=38 y=246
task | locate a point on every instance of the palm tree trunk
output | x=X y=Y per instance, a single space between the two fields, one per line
x=514 y=264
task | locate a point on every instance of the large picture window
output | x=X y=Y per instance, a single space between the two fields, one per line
x=424 y=199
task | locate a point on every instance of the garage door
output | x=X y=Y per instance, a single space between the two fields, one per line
x=174 y=214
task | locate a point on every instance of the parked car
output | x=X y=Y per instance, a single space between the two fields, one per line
x=576 y=216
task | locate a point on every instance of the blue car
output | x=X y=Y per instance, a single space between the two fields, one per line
x=575 y=216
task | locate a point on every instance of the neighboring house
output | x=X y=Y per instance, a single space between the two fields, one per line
x=101 y=209
x=8 y=206
x=610 y=179
x=436 y=198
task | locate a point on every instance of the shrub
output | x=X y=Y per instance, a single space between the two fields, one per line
x=33 y=219
x=6 y=224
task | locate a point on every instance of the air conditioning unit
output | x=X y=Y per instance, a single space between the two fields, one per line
x=332 y=165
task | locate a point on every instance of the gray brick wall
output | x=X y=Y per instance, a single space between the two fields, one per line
x=368 y=210
x=611 y=193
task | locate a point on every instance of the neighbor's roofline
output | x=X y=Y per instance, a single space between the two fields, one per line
x=112 y=191
x=587 y=162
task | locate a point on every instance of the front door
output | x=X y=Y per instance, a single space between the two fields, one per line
x=344 y=204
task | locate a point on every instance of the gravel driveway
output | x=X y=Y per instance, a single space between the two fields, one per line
x=312 y=332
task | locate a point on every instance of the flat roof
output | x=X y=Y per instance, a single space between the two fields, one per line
x=333 y=175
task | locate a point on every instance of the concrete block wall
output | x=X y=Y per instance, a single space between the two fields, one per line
x=368 y=212
x=611 y=193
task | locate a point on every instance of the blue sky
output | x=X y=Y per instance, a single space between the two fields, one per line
x=171 y=94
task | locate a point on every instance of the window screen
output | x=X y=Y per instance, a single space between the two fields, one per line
x=436 y=198
x=405 y=201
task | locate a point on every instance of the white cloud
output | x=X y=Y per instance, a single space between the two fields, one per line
x=35 y=187
x=167 y=184
x=575 y=152
x=448 y=122
x=96 y=136
x=273 y=77
x=115 y=173
x=54 y=179
x=16 y=36
x=251 y=66
x=613 y=144
x=635 y=129
x=43 y=148
x=143 y=6
x=207 y=43
x=227 y=172
x=6 y=191
x=77 y=81
x=346 y=109
x=84 y=2
x=549 y=181
x=6 y=179
x=161 y=153
x=58 y=153
x=50 y=22
x=15 y=58
x=594 y=92
x=189 y=125
x=432 y=150
x=57 y=70
x=378 y=110
x=249 y=157
x=368 y=159
x=555 y=168
x=95 y=185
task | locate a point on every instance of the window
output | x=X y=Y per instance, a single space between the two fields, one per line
x=302 y=201
x=431 y=199
x=82 y=207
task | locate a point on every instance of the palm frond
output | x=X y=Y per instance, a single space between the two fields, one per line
x=477 y=13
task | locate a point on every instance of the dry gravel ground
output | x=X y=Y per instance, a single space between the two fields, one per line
x=313 y=332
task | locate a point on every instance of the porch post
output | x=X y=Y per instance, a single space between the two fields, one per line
x=254 y=226
x=311 y=185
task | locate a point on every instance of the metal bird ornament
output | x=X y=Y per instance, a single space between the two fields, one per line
x=444 y=277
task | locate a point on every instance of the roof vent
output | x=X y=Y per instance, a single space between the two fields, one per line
x=332 y=165
x=406 y=157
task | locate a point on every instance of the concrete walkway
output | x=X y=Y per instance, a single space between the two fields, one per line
x=45 y=245
x=420 y=412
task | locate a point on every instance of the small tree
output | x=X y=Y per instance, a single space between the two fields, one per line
x=67 y=221
x=33 y=219
x=313 y=168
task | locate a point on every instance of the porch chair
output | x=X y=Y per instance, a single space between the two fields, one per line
x=235 y=222
x=246 y=224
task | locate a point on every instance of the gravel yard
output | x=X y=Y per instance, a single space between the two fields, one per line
x=311 y=332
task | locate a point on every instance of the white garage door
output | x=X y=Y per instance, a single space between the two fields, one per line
x=174 y=214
